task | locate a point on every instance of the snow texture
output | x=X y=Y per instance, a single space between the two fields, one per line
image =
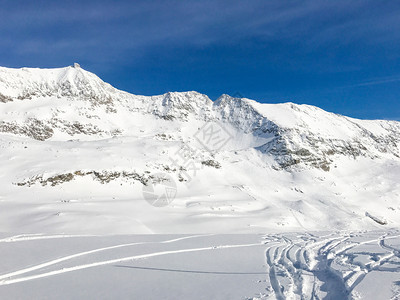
x=113 y=195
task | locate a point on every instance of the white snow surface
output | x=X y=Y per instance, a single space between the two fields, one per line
x=77 y=155
x=330 y=265
x=109 y=195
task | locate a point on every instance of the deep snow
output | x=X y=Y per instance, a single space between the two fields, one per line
x=105 y=194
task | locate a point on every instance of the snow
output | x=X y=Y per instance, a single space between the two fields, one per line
x=250 y=192
x=336 y=265
x=76 y=154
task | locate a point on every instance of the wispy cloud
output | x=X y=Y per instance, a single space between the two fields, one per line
x=382 y=81
x=377 y=81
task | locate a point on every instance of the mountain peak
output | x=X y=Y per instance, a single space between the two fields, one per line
x=27 y=83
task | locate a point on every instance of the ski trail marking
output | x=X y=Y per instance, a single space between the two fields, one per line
x=69 y=257
x=33 y=237
x=117 y=260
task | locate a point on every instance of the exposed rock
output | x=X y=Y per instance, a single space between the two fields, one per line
x=211 y=163
x=33 y=128
x=102 y=176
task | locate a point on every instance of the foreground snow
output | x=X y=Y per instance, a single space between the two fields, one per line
x=337 y=265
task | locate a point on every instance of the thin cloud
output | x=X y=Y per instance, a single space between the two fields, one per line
x=377 y=81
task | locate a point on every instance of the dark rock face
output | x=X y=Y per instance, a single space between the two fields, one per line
x=33 y=128
x=102 y=176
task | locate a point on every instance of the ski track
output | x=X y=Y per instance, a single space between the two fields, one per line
x=302 y=269
x=34 y=237
x=69 y=257
x=299 y=267
x=108 y=262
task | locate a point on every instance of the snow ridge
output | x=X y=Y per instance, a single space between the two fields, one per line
x=294 y=132
x=67 y=135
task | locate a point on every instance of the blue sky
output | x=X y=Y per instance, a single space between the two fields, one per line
x=343 y=56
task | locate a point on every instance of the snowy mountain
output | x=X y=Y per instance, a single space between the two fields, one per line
x=81 y=156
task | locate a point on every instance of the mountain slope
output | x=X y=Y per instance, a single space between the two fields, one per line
x=79 y=155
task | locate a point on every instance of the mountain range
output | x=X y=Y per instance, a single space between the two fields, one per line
x=80 y=156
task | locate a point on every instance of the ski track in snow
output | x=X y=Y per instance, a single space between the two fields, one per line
x=303 y=269
x=298 y=266
x=4 y=281
x=34 y=237
x=69 y=257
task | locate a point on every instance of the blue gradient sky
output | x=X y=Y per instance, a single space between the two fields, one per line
x=343 y=56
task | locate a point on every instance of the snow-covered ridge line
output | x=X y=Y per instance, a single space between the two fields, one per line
x=73 y=102
x=75 y=148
